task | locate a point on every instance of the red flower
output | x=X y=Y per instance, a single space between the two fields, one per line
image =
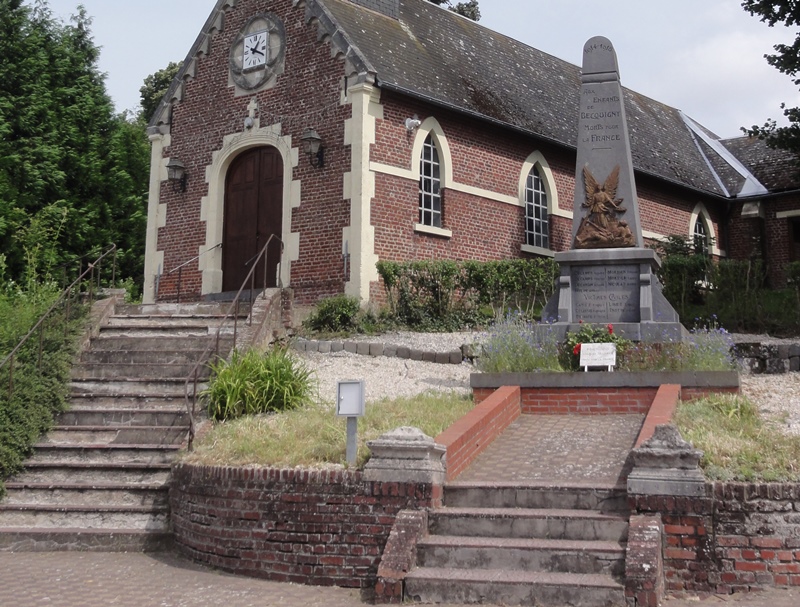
x=611 y=329
x=580 y=322
x=577 y=349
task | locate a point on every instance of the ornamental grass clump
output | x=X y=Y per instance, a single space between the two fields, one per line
x=256 y=382
x=516 y=345
x=709 y=347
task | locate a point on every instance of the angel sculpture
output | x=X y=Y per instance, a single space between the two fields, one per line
x=601 y=228
x=602 y=200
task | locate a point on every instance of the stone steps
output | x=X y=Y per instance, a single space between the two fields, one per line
x=523 y=545
x=65 y=539
x=513 y=587
x=91 y=516
x=103 y=454
x=108 y=435
x=87 y=494
x=84 y=472
x=174 y=415
x=100 y=479
x=565 y=556
x=116 y=371
x=529 y=523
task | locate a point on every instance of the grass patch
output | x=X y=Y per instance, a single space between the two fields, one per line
x=312 y=435
x=738 y=443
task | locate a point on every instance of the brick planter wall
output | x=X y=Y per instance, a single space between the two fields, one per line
x=317 y=527
x=599 y=393
x=742 y=537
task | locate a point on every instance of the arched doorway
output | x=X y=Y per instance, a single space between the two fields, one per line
x=253 y=211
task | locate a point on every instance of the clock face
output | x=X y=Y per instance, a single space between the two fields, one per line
x=257 y=52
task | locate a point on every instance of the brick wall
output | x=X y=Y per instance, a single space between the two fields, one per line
x=742 y=537
x=592 y=401
x=318 y=527
x=471 y=434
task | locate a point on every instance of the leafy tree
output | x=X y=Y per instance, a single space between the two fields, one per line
x=155 y=87
x=73 y=175
x=468 y=9
x=787 y=60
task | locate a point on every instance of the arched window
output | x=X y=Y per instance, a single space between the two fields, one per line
x=700 y=236
x=537 y=221
x=430 y=197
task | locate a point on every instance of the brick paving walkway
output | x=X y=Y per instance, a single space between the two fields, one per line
x=556 y=448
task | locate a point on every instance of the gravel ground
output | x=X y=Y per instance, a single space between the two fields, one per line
x=777 y=396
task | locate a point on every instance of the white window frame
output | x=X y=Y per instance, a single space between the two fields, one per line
x=537 y=212
x=536 y=161
x=431 y=211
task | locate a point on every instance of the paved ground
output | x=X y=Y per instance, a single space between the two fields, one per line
x=540 y=448
x=70 y=579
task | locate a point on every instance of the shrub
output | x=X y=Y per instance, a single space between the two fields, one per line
x=40 y=391
x=334 y=314
x=253 y=382
x=516 y=345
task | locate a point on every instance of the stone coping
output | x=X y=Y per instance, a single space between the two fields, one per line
x=617 y=379
x=375 y=349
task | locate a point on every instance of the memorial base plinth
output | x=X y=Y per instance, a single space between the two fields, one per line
x=612 y=286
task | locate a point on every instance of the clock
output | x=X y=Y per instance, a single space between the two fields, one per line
x=257 y=52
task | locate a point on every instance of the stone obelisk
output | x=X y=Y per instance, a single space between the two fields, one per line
x=608 y=276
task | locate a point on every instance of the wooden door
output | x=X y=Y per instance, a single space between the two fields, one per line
x=253 y=211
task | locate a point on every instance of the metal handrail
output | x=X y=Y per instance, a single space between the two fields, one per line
x=233 y=310
x=179 y=270
x=65 y=296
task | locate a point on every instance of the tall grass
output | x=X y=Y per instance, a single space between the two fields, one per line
x=737 y=443
x=312 y=435
x=516 y=345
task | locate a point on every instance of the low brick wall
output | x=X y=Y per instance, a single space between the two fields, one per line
x=741 y=537
x=318 y=527
x=599 y=393
x=471 y=434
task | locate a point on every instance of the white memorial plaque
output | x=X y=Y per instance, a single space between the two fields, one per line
x=598 y=355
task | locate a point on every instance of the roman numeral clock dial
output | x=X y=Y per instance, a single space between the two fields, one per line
x=257 y=52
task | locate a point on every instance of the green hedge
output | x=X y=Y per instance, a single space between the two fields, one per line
x=446 y=295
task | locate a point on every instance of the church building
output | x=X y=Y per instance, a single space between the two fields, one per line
x=344 y=132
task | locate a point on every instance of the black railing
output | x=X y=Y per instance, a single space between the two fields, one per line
x=233 y=312
x=92 y=271
x=179 y=270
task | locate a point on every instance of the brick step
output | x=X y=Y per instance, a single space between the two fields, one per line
x=125 y=435
x=127 y=357
x=157 y=330
x=17 y=539
x=167 y=416
x=123 y=388
x=566 y=556
x=564 y=497
x=103 y=454
x=154 y=371
x=157 y=343
x=83 y=472
x=154 y=518
x=529 y=523
x=504 y=587
x=87 y=494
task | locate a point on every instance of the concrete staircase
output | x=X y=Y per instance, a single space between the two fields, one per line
x=99 y=480
x=523 y=546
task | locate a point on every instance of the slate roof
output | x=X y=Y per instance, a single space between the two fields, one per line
x=438 y=56
x=778 y=170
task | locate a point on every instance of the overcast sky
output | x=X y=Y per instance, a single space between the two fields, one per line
x=704 y=57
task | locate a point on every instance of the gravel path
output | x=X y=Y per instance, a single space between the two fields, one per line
x=777 y=396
